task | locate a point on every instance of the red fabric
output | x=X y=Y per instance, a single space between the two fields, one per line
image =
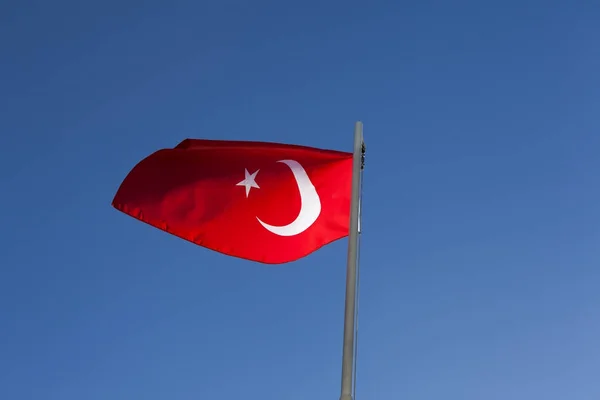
x=192 y=192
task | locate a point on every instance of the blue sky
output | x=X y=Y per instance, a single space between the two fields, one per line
x=481 y=202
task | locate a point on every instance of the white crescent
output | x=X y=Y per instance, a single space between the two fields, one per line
x=310 y=204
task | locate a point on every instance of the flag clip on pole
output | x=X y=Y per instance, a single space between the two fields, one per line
x=350 y=309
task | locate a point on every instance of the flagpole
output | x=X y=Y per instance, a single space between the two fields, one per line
x=350 y=309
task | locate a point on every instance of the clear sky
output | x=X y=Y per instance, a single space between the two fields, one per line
x=480 y=257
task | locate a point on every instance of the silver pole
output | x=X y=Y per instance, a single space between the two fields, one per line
x=348 y=350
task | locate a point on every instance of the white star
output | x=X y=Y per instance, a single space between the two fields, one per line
x=249 y=181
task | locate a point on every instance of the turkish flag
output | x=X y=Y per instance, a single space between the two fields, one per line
x=266 y=202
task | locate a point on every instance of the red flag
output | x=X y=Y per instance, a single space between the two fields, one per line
x=266 y=202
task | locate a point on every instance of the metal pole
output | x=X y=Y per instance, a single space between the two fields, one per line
x=348 y=349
